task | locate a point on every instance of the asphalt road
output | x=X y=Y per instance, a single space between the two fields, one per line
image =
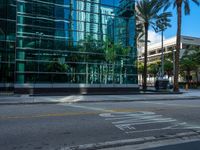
x=54 y=127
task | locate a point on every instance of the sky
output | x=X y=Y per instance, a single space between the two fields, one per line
x=190 y=24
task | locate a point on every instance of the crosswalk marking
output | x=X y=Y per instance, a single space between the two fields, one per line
x=131 y=122
x=141 y=119
x=151 y=122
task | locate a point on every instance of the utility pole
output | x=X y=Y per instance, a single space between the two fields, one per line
x=162 y=56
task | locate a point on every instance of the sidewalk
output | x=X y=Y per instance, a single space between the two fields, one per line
x=26 y=99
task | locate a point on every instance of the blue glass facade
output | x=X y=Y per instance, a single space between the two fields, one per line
x=69 y=42
x=7 y=42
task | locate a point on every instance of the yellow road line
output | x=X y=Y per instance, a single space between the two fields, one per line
x=65 y=114
x=48 y=115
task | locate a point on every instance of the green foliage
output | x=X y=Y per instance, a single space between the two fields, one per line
x=169 y=56
x=140 y=67
x=190 y=60
x=193 y=52
x=153 y=68
x=107 y=48
x=163 y=22
x=126 y=50
x=188 y=64
x=176 y=3
x=122 y=50
x=89 y=44
x=110 y=52
x=57 y=67
x=168 y=67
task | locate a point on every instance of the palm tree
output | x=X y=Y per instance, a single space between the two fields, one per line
x=190 y=61
x=147 y=12
x=188 y=64
x=179 y=4
x=110 y=57
x=139 y=34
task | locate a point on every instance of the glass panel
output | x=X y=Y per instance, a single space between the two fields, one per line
x=7 y=40
x=76 y=41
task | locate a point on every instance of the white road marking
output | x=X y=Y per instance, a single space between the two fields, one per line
x=130 y=116
x=156 y=117
x=145 y=121
x=125 y=126
x=131 y=122
x=87 y=107
x=173 y=127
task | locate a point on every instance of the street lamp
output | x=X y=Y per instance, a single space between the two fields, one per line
x=162 y=24
x=40 y=35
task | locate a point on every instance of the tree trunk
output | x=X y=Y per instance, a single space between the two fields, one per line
x=188 y=77
x=178 y=43
x=145 y=57
x=197 y=80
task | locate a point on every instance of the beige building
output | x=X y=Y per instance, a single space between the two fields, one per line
x=154 y=50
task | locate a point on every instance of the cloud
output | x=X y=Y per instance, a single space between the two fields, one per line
x=154 y=37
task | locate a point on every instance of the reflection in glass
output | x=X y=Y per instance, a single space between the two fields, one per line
x=7 y=40
x=72 y=41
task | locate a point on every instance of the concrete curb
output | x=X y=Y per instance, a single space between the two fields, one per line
x=151 y=92
x=95 y=101
x=141 y=93
x=126 y=142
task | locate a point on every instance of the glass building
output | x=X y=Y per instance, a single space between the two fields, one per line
x=68 y=45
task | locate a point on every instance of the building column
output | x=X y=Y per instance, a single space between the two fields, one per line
x=20 y=54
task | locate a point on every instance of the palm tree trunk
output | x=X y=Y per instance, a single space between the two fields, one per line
x=197 y=77
x=188 y=77
x=178 y=43
x=145 y=57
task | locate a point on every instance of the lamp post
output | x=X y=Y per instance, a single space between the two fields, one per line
x=40 y=35
x=162 y=24
x=162 y=53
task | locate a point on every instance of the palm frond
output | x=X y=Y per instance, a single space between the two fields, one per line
x=186 y=7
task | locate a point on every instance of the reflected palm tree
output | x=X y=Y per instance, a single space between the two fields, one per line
x=92 y=51
x=110 y=57
x=70 y=30
x=56 y=67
